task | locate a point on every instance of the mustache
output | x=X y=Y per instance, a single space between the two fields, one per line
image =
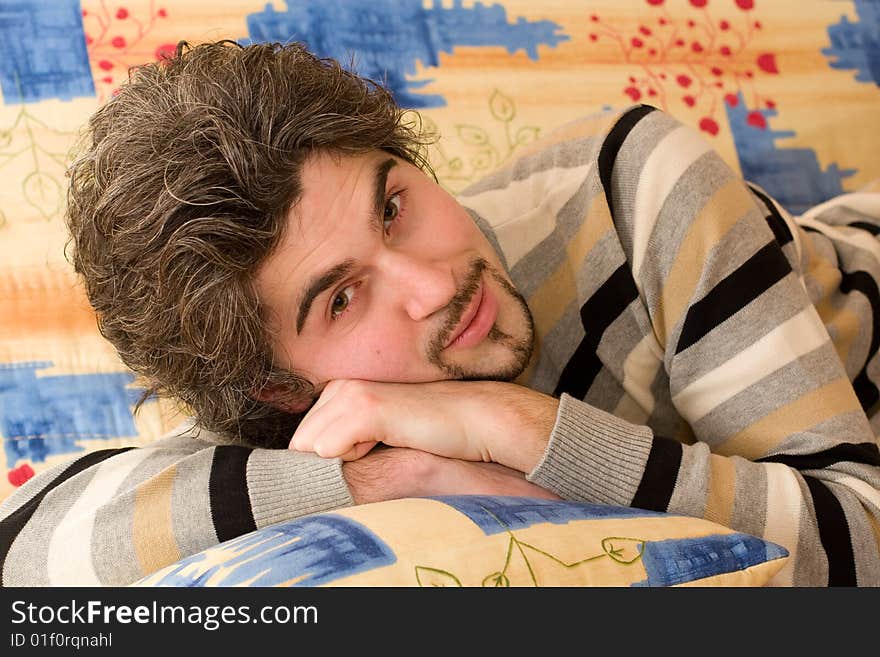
x=457 y=306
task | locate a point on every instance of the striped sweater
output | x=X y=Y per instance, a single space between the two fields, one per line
x=714 y=357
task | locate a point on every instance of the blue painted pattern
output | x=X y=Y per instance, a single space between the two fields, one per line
x=857 y=45
x=680 y=560
x=45 y=415
x=496 y=514
x=792 y=176
x=43 y=51
x=314 y=550
x=387 y=37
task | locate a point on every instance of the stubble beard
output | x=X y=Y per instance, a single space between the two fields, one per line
x=520 y=349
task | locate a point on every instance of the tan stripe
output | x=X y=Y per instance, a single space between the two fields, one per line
x=757 y=439
x=152 y=531
x=842 y=323
x=717 y=217
x=722 y=490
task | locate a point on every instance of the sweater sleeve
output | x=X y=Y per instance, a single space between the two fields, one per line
x=113 y=516
x=779 y=445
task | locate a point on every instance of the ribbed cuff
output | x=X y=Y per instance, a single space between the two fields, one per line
x=592 y=456
x=284 y=484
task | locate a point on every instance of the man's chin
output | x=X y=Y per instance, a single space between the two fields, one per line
x=487 y=362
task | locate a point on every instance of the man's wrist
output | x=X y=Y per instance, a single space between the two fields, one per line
x=386 y=473
x=522 y=421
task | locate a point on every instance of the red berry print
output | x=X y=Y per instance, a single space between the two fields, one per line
x=756 y=119
x=708 y=124
x=20 y=474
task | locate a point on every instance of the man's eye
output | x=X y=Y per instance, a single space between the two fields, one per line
x=392 y=210
x=341 y=302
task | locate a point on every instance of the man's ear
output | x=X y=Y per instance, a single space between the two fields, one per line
x=283 y=399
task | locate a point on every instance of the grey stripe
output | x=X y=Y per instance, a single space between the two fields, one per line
x=27 y=560
x=606 y=391
x=190 y=503
x=865 y=551
x=556 y=349
x=749 y=512
x=637 y=148
x=696 y=187
x=691 y=487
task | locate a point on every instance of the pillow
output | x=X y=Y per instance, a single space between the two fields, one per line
x=478 y=540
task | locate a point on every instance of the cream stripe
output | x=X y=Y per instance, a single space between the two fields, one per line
x=858 y=238
x=519 y=223
x=69 y=561
x=783 y=518
x=662 y=170
x=639 y=370
x=863 y=488
x=866 y=202
x=152 y=530
x=786 y=343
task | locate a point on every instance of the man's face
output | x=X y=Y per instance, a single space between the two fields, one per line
x=382 y=275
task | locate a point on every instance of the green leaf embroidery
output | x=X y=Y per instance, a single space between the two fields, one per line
x=526 y=135
x=502 y=107
x=496 y=580
x=43 y=192
x=472 y=135
x=433 y=577
x=623 y=550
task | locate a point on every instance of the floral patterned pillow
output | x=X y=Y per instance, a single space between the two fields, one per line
x=474 y=540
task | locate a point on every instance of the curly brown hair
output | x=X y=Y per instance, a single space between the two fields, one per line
x=181 y=191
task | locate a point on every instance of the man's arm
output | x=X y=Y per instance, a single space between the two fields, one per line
x=113 y=516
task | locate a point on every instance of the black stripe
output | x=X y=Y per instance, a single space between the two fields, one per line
x=864 y=453
x=774 y=219
x=613 y=142
x=866 y=390
x=228 y=490
x=874 y=229
x=661 y=474
x=597 y=314
x=834 y=534
x=738 y=289
x=11 y=525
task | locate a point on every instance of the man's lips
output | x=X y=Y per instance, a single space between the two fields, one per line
x=476 y=320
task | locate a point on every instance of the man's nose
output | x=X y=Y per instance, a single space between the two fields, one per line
x=423 y=286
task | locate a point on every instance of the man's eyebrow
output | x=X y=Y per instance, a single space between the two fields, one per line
x=332 y=276
x=317 y=285
x=380 y=180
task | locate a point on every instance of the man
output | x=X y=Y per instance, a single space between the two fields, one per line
x=257 y=237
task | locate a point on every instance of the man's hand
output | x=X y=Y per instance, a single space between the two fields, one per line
x=470 y=420
x=393 y=473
